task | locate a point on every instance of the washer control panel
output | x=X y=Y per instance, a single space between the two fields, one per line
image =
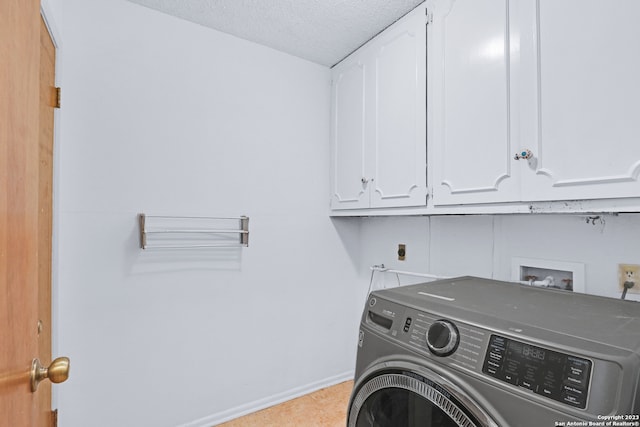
x=452 y=342
x=552 y=374
x=555 y=375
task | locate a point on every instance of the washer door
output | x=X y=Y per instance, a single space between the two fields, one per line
x=406 y=399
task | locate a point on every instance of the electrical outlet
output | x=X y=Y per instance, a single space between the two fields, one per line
x=402 y=251
x=629 y=278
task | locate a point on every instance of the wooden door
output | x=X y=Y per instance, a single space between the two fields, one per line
x=26 y=141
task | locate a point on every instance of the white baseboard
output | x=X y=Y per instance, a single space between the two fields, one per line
x=257 y=405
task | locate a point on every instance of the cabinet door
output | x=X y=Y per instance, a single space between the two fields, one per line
x=470 y=128
x=398 y=107
x=349 y=187
x=586 y=100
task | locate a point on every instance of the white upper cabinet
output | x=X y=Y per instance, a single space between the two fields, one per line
x=379 y=120
x=470 y=129
x=348 y=135
x=585 y=86
x=555 y=79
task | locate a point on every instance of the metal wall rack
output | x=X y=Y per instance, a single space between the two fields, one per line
x=187 y=232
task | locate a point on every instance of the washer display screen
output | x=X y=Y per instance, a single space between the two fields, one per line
x=555 y=375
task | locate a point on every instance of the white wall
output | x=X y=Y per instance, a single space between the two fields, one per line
x=52 y=12
x=166 y=117
x=485 y=245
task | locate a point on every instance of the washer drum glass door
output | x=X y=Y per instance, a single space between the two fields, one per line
x=406 y=399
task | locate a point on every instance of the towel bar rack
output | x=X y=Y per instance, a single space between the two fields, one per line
x=187 y=232
x=384 y=269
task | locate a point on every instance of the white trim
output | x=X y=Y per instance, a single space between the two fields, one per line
x=257 y=405
x=594 y=206
x=46 y=11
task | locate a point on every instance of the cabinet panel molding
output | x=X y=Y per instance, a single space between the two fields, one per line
x=400 y=113
x=472 y=133
x=349 y=135
x=587 y=100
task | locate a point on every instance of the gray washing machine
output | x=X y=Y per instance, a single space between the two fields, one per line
x=476 y=352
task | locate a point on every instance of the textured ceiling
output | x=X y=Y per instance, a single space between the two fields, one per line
x=321 y=31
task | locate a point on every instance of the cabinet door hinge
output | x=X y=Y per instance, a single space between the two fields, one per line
x=54 y=418
x=57 y=100
x=429 y=17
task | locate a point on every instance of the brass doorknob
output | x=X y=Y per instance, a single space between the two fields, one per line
x=57 y=372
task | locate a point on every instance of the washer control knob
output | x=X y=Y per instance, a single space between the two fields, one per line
x=442 y=338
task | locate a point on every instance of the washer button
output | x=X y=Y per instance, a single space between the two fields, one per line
x=407 y=324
